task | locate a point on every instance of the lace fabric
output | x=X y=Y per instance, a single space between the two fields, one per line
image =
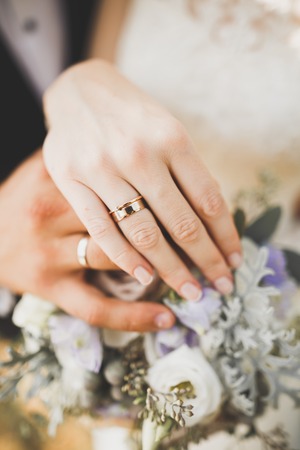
x=229 y=70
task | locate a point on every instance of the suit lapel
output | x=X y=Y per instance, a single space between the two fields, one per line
x=79 y=15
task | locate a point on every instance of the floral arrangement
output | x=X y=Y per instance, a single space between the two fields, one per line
x=224 y=362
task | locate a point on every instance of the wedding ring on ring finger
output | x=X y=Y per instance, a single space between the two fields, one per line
x=128 y=209
x=82 y=252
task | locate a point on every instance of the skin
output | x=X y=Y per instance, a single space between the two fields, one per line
x=106 y=140
x=38 y=254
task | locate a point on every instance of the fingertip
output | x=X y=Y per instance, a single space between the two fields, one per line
x=191 y=291
x=164 y=320
x=235 y=260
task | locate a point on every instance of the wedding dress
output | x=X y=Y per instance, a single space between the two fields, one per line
x=229 y=70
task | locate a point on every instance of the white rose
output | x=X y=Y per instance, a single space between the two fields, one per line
x=188 y=365
x=32 y=314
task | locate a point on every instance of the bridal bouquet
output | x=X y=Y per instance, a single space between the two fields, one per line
x=224 y=362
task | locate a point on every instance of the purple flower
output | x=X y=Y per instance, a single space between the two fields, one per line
x=281 y=280
x=74 y=341
x=197 y=315
x=276 y=262
x=168 y=340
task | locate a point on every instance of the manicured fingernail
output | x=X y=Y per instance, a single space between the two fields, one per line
x=163 y=320
x=224 y=285
x=191 y=292
x=143 y=276
x=235 y=260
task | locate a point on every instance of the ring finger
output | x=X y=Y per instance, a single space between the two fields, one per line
x=94 y=215
x=95 y=257
x=144 y=234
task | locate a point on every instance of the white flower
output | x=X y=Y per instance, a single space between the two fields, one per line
x=118 y=339
x=188 y=365
x=32 y=314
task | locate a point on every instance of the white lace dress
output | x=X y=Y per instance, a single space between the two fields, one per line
x=230 y=71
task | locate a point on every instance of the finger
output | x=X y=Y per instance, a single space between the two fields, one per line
x=204 y=195
x=186 y=229
x=95 y=257
x=82 y=300
x=143 y=232
x=50 y=211
x=94 y=215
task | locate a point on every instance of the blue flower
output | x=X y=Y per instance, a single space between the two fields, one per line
x=197 y=315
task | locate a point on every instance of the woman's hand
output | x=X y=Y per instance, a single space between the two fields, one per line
x=39 y=234
x=109 y=142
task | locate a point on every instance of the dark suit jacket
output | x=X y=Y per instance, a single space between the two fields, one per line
x=21 y=120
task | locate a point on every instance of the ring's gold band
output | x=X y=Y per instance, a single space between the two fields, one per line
x=128 y=208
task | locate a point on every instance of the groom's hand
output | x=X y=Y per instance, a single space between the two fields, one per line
x=39 y=234
x=108 y=143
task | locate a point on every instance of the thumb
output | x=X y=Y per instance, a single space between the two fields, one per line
x=78 y=298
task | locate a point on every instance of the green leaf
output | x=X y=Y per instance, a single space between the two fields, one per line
x=239 y=218
x=139 y=400
x=293 y=264
x=262 y=228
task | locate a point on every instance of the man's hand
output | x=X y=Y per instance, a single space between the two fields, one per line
x=39 y=234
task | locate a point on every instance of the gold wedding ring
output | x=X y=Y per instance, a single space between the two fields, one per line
x=128 y=208
x=82 y=251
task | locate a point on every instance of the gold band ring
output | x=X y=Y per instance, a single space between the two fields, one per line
x=128 y=208
x=82 y=251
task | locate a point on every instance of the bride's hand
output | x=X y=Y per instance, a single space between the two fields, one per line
x=39 y=234
x=108 y=142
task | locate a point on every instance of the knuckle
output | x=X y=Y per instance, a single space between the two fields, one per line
x=95 y=315
x=212 y=203
x=145 y=236
x=98 y=227
x=174 y=134
x=43 y=208
x=215 y=267
x=121 y=257
x=186 y=229
x=137 y=154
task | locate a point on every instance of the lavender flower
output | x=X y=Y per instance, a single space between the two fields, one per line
x=277 y=262
x=159 y=344
x=75 y=342
x=281 y=280
x=168 y=340
x=197 y=315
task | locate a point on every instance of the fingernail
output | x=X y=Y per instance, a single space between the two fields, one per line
x=163 y=320
x=224 y=285
x=191 y=292
x=143 y=276
x=235 y=260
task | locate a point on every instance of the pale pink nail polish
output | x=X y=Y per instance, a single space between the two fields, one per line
x=163 y=320
x=143 y=276
x=235 y=260
x=224 y=285
x=190 y=291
